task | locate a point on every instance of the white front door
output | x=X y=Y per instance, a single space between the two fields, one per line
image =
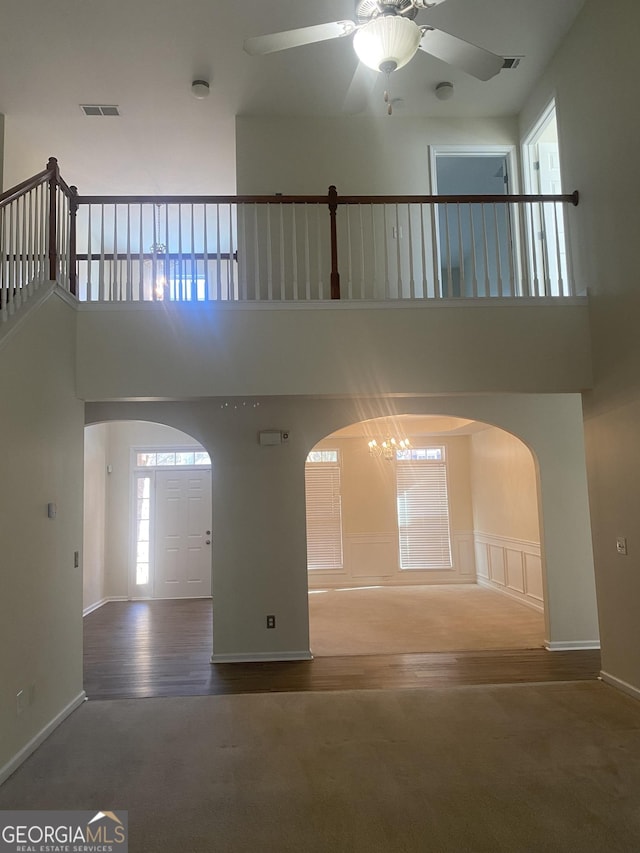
x=182 y=534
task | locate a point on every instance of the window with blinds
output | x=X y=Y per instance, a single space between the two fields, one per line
x=423 y=508
x=324 y=510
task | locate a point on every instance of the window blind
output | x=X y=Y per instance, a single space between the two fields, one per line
x=423 y=515
x=324 y=516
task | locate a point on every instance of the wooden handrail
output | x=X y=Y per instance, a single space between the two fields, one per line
x=26 y=186
x=570 y=198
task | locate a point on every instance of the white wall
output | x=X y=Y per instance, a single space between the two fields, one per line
x=594 y=77
x=506 y=518
x=95 y=515
x=41 y=423
x=182 y=351
x=1 y=151
x=358 y=154
x=259 y=552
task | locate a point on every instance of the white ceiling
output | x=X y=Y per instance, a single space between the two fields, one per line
x=143 y=56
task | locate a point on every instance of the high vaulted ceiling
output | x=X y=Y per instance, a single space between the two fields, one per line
x=143 y=56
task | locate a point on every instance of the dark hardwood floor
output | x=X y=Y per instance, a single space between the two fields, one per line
x=162 y=648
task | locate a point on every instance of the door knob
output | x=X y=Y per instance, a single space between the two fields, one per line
x=208 y=533
x=208 y=541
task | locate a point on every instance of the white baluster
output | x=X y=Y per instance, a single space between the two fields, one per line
x=498 y=255
x=307 y=254
x=485 y=249
x=463 y=279
x=294 y=251
x=256 y=252
x=269 y=257
x=474 y=262
x=448 y=245
x=349 y=256
x=534 y=244
x=281 y=241
x=387 y=285
x=412 y=283
x=362 y=256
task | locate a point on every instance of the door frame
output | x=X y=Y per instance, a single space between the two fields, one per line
x=135 y=471
x=510 y=152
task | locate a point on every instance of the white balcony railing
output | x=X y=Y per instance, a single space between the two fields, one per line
x=280 y=248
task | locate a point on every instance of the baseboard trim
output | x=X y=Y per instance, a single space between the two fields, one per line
x=571 y=645
x=618 y=683
x=103 y=601
x=12 y=765
x=260 y=657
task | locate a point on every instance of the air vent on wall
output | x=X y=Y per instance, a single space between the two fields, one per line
x=100 y=109
x=511 y=62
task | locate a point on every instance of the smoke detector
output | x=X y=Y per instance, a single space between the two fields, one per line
x=444 y=91
x=200 y=89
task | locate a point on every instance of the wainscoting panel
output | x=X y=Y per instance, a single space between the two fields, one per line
x=515 y=570
x=372 y=555
x=373 y=558
x=496 y=565
x=533 y=576
x=511 y=566
x=464 y=555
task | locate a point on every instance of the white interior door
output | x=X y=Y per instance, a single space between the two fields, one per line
x=182 y=534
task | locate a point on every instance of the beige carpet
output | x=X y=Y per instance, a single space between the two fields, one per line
x=533 y=768
x=397 y=620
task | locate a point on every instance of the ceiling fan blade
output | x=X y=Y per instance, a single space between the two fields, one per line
x=361 y=86
x=474 y=60
x=259 y=45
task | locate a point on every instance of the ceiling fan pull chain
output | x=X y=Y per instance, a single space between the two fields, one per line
x=387 y=95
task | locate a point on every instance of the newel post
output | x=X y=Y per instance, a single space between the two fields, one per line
x=52 y=166
x=335 y=275
x=73 y=263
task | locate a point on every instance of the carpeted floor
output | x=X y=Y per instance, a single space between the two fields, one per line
x=509 y=769
x=405 y=619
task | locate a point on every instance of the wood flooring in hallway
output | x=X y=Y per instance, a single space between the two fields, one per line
x=136 y=649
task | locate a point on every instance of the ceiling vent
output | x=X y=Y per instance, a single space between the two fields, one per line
x=100 y=109
x=511 y=62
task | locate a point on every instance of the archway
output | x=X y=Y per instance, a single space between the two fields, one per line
x=432 y=548
x=260 y=545
x=147 y=557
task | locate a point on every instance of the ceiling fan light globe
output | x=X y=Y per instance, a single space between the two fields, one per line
x=387 y=42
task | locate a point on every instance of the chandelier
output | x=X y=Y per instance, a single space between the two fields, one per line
x=388 y=448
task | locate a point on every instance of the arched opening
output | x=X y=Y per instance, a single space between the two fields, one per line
x=148 y=517
x=428 y=549
x=148 y=529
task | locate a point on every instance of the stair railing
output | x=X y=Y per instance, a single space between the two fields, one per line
x=36 y=240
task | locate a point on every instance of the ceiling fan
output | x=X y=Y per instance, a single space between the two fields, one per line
x=385 y=37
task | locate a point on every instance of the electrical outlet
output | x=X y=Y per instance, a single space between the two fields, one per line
x=271 y=621
x=21 y=702
x=621 y=545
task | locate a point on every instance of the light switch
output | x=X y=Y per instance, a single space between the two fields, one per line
x=621 y=545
